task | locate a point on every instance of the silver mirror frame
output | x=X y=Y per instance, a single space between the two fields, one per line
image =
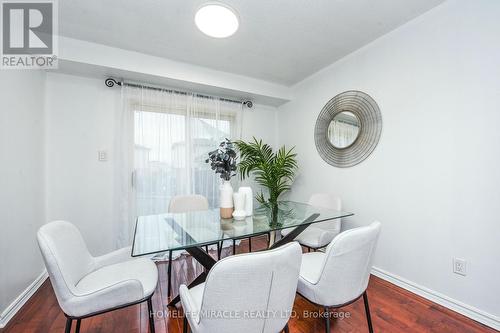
x=367 y=111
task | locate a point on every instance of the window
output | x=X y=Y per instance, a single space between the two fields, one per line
x=170 y=148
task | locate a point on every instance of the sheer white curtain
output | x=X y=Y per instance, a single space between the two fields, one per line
x=163 y=141
x=342 y=133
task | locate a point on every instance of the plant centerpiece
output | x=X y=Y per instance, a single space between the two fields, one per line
x=274 y=171
x=223 y=162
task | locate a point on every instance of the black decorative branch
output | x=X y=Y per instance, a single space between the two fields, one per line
x=223 y=160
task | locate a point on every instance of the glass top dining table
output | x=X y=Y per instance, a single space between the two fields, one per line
x=170 y=232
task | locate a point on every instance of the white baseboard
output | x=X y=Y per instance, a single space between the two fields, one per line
x=450 y=303
x=12 y=309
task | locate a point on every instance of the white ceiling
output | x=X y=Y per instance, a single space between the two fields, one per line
x=281 y=41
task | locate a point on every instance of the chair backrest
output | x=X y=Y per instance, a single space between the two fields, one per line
x=187 y=203
x=329 y=201
x=347 y=265
x=258 y=287
x=66 y=258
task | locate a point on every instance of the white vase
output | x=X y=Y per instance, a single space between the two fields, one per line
x=247 y=191
x=239 y=206
x=226 y=200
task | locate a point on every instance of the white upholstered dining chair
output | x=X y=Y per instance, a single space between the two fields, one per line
x=85 y=285
x=319 y=235
x=249 y=293
x=187 y=203
x=340 y=275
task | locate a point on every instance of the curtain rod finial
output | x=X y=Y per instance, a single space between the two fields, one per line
x=248 y=104
x=110 y=82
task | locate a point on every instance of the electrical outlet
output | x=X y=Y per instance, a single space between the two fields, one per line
x=459 y=266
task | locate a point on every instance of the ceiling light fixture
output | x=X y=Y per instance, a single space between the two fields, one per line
x=216 y=20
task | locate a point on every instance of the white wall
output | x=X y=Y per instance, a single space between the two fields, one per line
x=434 y=178
x=80 y=114
x=80 y=188
x=22 y=178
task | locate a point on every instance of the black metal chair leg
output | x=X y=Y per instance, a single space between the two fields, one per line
x=151 y=316
x=78 y=323
x=68 y=325
x=185 y=325
x=367 y=309
x=219 y=250
x=206 y=249
x=286 y=330
x=234 y=246
x=169 y=273
x=249 y=244
x=327 y=318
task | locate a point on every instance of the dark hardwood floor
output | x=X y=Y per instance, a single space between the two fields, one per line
x=393 y=310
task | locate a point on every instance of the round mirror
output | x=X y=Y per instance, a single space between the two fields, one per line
x=348 y=129
x=343 y=129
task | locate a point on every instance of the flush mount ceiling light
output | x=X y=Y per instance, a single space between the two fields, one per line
x=216 y=20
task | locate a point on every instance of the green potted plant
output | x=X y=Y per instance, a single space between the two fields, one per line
x=274 y=171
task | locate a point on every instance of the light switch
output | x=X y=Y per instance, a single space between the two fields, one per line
x=102 y=156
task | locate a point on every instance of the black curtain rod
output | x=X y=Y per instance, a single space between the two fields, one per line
x=110 y=82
